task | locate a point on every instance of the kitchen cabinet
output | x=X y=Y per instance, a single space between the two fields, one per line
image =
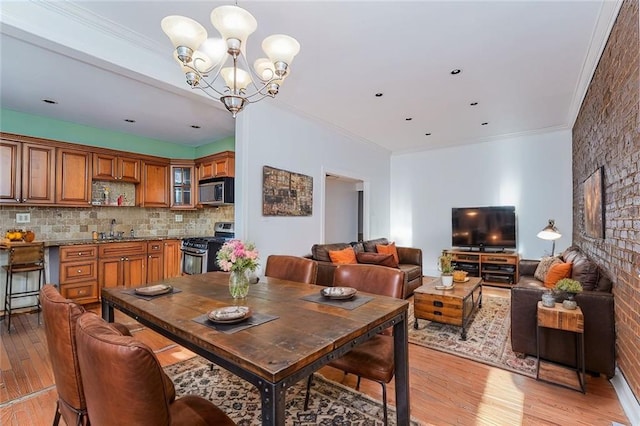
x=122 y=264
x=27 y=175
x=183 y=189
x=78 y=273
x=172 y=256
x=116 y=168
x=154 y=188
x=73 y=177
x=155 y=260
x=217 y=165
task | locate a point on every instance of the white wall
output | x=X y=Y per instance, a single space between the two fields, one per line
x=532 y=173
x=267 y=135
x=341 y=211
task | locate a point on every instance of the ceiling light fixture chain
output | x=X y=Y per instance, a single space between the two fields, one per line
x=201 y=57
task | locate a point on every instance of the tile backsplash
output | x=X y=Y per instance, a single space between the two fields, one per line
x=73 y=223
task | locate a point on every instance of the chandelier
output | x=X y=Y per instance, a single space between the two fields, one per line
x=204 y=59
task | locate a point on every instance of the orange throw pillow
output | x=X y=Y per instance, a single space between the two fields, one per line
x=556 y=273
x=388 y=249
x=346 y=255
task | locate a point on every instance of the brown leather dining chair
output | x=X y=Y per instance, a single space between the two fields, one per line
x=124 y=382
x=372 y=359
x=291 y=268
x=60 y=317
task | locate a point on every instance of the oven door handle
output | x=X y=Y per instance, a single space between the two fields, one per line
x=199 y=253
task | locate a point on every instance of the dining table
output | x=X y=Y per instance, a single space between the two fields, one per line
x=292 y=330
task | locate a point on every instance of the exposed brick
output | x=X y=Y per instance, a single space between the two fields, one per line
x=607 y=133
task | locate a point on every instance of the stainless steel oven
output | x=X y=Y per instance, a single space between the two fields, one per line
x=199 y=253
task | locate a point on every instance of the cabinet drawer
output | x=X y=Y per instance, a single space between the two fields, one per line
x=122 y=249
x=85 y=292
x=495 y=258
x=77 y=271
x=154 y=247
x=78 y=252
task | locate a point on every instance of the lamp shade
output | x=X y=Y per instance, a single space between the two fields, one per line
x=233 y=22
x=215 y=49
x=183 y=31
x=242 y=78
x=550 y=232
x=281 y=48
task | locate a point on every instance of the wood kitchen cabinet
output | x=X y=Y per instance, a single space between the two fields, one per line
x=78 y=273
x=122 y=264
x=172 y=256
x=217 y=165
x=27 y=175
x=73 y=177
x=155 y=261
x=153 y=191
x=183 y=188
x=116 y=168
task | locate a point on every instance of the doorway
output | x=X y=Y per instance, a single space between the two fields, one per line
x=344 y=209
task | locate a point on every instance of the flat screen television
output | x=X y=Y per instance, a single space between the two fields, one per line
x=484 y=227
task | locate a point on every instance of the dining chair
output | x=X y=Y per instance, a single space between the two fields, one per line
x=291 y=268
x=374 y=358
x=23 y=259
x=124 y=382
x=60 y=317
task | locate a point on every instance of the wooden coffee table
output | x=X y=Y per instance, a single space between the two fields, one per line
x=454 y=306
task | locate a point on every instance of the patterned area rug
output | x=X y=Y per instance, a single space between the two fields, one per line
x=331 y=403
x=488 y=339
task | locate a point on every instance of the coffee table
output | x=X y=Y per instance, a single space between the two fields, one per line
x=453 y=306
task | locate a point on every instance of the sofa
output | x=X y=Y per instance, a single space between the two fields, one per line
x=409 y=261
x=596 y=302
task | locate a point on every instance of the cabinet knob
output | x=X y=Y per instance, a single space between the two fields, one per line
x=79 y=270
x=24 y=200
x=17 y=200
x=79 y=253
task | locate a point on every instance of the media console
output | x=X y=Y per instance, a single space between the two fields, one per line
x=497 y=269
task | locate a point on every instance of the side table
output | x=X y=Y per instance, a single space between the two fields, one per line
x=568 y=320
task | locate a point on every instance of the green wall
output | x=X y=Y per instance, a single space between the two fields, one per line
x=42 y=127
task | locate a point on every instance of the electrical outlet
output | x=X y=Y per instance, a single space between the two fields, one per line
x=178 y=218
x=23 y=217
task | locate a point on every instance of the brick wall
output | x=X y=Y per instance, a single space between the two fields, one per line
x=607 y=133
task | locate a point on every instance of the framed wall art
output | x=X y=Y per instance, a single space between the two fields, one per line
x=286 y=193
x=594 y=204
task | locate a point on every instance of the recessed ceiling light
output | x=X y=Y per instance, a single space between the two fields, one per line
x=427 y=134
x=379 y=95
x=485 y=123
x=473 y=103
x=195 y=126
x=408 y=119
x=456 y=71
x=49 y=101
x=128 y=120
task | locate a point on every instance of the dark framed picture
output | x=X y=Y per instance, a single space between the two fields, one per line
x=594 y=204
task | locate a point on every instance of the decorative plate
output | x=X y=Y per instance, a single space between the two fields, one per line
x=229 y=314
x=442 y=287
x=154 y=290
x=338 y=292
x=462 y=281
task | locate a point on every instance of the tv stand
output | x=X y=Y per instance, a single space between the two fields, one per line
x=495 y=268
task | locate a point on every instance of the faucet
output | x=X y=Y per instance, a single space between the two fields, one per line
x=111 y=229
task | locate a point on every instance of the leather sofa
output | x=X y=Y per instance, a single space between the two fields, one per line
x=596 y=302
x=410 y=261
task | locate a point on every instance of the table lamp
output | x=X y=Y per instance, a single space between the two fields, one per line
x=550 y=232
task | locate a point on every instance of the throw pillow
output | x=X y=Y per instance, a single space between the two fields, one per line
x=377 y=259
x=557 y=272
x=543 y=267
x=344 y=256
x=388 y=249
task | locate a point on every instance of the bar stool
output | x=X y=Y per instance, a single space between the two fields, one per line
x=23 y=258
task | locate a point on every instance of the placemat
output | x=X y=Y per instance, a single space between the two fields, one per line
x=132 y=292
x=350 y=304
x=256 y=319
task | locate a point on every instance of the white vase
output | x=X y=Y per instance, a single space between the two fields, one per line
x=447 y=280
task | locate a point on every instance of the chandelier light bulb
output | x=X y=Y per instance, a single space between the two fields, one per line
x=242 y=79
x=233 y=22
x=183 y=31
x=264 y=68
x=281 y=48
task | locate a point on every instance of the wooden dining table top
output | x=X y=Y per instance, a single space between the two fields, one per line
x=303 y=333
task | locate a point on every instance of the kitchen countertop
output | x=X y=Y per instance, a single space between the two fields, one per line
x=106 y=240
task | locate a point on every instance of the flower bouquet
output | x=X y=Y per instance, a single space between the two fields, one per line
x=238 y=258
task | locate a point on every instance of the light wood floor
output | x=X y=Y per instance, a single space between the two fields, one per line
x=445 y=389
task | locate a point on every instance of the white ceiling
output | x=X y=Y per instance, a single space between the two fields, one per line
x=526 y=63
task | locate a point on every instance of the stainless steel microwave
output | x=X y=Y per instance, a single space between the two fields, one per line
x=216 y=191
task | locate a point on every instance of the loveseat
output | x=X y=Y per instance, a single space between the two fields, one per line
x=409 y=261
x=596 y=302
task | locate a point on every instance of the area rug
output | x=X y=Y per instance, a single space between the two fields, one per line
x=488 y=337
x=331 y=403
